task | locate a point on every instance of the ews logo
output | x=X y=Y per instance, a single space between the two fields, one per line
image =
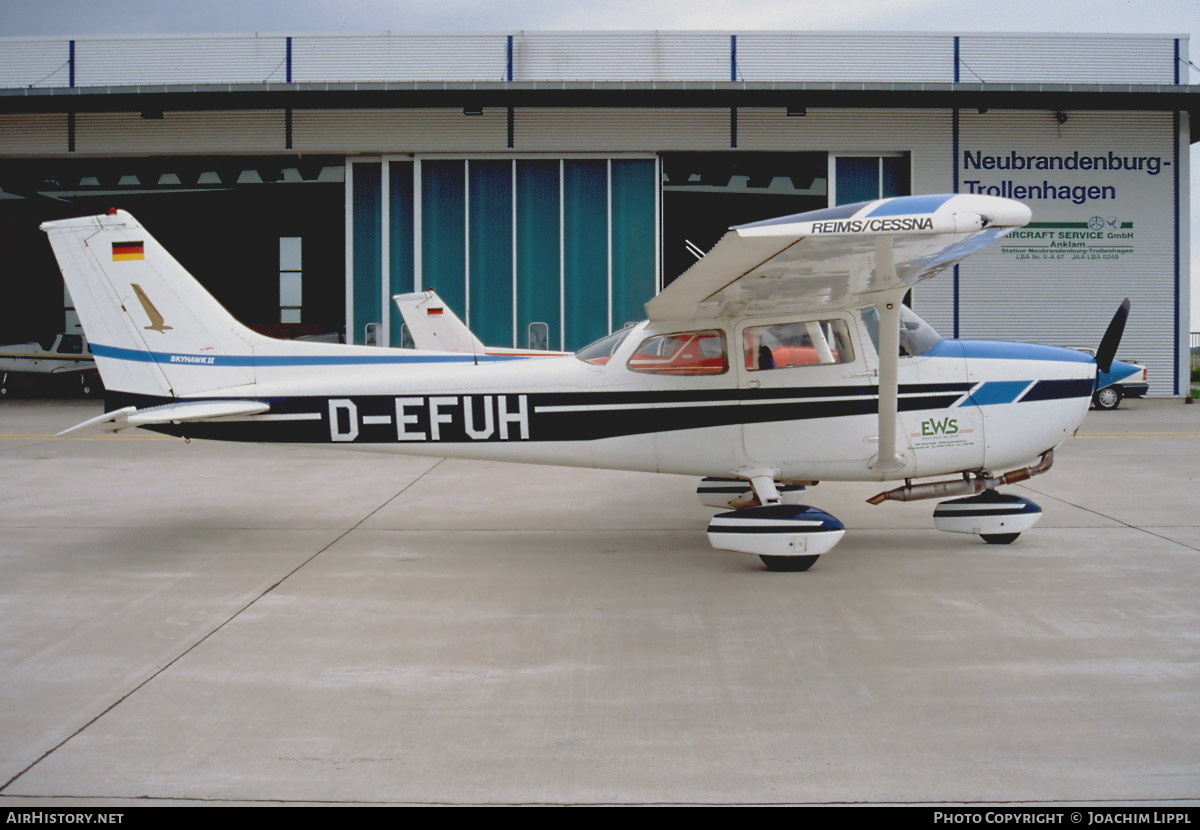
x=942 y=426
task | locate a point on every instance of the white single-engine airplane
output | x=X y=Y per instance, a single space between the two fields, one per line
x=782 y=358
x=65 y=354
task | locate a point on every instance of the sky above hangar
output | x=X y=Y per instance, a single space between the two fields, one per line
x=116 y=17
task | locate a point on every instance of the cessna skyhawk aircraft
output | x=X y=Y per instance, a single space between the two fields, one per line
x=781 y=358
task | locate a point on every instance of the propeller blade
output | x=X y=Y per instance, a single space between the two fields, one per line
x=1107 y=350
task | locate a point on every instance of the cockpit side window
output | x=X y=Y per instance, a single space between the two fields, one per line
x=916 y=336
x=808 y=343
x=683 y=353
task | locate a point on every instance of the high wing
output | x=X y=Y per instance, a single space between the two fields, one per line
x=845 y=257
x=842 y=257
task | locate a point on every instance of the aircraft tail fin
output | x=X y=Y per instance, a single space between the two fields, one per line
x=433 y=326
x=152 y=327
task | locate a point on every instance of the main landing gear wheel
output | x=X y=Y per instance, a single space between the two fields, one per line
x=1107 y=398
x=999 y=538
x=786 y=537
x=793 y=564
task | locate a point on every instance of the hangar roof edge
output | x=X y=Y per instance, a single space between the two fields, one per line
x=605 y=94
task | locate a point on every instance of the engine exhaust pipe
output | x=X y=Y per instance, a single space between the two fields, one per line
x=964 y=486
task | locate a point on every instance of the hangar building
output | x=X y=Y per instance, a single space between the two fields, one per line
x=548 y=183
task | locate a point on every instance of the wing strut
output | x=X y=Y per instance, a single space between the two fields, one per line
x=888 y=460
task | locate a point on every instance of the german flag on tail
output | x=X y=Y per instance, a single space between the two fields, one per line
x=128 y=250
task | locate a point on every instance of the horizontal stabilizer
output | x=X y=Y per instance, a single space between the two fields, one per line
x=131 y=416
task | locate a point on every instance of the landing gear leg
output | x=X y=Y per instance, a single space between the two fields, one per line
x=765 y=489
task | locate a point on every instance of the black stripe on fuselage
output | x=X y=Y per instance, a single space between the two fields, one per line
x=1053 y=390
x=626 y=413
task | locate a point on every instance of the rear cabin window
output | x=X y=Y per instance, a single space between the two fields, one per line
x=786 y=345
x=685 y=353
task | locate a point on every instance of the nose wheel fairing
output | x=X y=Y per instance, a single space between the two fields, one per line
x=996 y=517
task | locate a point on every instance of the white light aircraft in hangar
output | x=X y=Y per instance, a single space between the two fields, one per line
x=782 y=358
x=63 y=355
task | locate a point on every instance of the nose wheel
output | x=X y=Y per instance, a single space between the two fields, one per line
x=791 y=564
x=997 y=518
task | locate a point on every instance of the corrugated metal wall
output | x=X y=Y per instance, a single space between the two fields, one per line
x=1094 y=59
x=33 y=134
x=617 y=129
x=180 y=60
x=592 y=56
x=845 y=56
x=625 y=56
x=386 y=57
x=180 y=132
x=399 y=131
x=1070 y=300
x=34 y=63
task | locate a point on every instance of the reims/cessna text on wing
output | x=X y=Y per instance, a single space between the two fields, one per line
x=782 y=358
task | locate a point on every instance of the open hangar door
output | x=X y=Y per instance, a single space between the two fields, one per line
x=263 y=234
x=706 y=193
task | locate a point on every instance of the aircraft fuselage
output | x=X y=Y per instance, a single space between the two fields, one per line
x=964 y=405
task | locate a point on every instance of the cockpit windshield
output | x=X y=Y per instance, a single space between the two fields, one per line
x=600 y=352
x=916 y=336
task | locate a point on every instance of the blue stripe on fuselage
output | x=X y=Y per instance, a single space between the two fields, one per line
x=1007 y=350
x=996 y=391
x=989 y=393
x=138 y=356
